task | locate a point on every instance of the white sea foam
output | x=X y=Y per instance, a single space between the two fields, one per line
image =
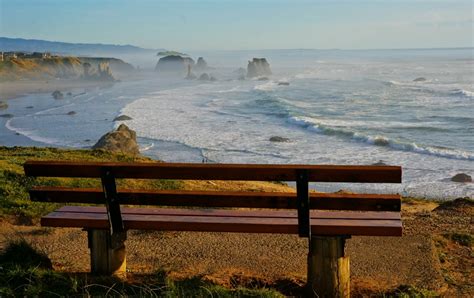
x=269 y=86
x=319 y=127
x=32 y=135
x=464 y=93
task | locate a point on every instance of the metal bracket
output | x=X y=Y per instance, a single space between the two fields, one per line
x=302 y=197
x=117 y=231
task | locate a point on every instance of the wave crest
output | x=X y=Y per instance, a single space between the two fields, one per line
x=315 y=126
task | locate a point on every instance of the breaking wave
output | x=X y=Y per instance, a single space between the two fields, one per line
x=318 y=127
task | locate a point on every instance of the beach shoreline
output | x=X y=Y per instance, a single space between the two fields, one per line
x=15 y=89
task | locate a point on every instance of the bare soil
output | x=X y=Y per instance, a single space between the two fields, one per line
x=425 y=257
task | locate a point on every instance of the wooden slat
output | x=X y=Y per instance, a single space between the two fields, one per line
x=278 y=200
x=236 y=213
x=244 y=172
x=319 y=226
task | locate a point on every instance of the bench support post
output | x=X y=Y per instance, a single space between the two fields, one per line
x=328 y=267
x=105 y=258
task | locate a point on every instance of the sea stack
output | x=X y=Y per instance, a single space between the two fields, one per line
x=174 y=64
x=258 y=67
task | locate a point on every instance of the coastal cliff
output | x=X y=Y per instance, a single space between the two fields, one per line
x=56 y=67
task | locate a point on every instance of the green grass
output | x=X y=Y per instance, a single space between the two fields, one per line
x=14 y=185
x=461 y=238
x=407 y=291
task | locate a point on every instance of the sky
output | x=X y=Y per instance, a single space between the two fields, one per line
x=244 y=24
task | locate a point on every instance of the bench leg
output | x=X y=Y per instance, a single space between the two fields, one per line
x=106 y=260
x=328 y=268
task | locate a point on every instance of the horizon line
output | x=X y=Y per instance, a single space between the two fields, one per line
x=264 y=49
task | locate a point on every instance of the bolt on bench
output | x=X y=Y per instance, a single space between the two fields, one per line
x=326 y=219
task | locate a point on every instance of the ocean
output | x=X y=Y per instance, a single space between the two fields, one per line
x=340 y=107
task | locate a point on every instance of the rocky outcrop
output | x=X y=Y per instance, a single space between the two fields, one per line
x=122 y=118
x=379 y=163
x=103 y=72
x=174 y=64
x=3 y=105
x=190 y=75
x=201 y=65
x=207 y=77
x=420 y=79
x=57 y=94
x=258 y=67
x=71 y=113
x=122 y=140
x=461 y=177
x=278 y=139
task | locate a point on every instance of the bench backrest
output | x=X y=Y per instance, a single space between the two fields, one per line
x=303 y=201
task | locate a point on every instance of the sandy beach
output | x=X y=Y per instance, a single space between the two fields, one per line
x=14 y=89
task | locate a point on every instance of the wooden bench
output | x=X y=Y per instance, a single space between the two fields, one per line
x=326 y=219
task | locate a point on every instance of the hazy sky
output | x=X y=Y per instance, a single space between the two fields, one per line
x=229 y=24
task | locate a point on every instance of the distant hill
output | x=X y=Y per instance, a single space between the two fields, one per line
x=34 y=45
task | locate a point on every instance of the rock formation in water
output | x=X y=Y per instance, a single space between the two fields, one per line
x=122 y=140
x=204 y=77
x=420 y=79
x=258 y=67
x=461 y=177
x=3 y=105
x=57 y=94
x=174 y=64
x=71 y=113
x=201 y=65
x=190 y=75
x=278 y=139
x=122 y=118
x=283 y=84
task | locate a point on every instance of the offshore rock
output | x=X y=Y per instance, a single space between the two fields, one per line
x=461 y=177
x=420 y=79
x=174 y=64
x=57 y=94
x=122 y=118
x=123 y=140
x=3 y=105
x=278 y=139
x=258 y=67
x=201 y=65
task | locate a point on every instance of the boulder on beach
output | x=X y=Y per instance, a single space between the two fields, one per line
x=461 y=177
x=57 y=94
x=258 y=67
x=71 y=113
x=174 y=64
x=122 y=118
x=420 y=79
x=278 y=139
x=3 y=105
x=122 y=140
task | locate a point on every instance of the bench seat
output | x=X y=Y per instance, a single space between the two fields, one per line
x=366 y=223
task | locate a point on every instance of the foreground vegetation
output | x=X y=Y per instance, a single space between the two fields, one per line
x=26 y=271
x=14 y=185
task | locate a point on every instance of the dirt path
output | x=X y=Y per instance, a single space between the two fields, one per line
x=376 y=262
